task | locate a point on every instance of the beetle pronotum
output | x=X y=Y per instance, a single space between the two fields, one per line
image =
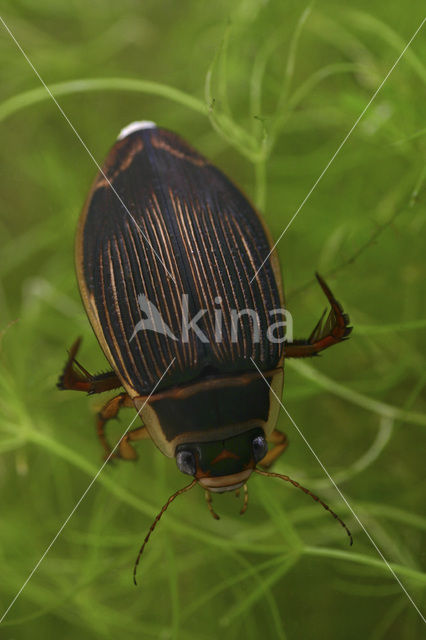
x=188 y=234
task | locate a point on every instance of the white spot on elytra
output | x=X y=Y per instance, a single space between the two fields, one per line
x=135 y=126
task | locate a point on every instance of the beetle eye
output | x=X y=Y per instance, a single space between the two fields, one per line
x=185 y=461
x=260 y=448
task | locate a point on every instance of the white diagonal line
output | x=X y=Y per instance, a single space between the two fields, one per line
x=85 y=146
x=333 y=157
x=80 y=500
x=343 y=498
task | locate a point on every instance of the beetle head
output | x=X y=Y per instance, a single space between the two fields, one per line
x=223 y=465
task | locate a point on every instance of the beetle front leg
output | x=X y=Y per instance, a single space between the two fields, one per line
x=76 y=378
x=126 y=451
x=280 y=442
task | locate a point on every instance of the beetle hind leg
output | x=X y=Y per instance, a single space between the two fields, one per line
x=328 y=331
x=76 y=378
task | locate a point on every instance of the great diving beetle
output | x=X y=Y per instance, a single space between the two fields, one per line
x=164 y=230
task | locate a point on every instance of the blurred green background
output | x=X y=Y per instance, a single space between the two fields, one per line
x=267 y=90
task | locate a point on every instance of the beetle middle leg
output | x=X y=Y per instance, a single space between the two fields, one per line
x=280 y=442
x=110 y=411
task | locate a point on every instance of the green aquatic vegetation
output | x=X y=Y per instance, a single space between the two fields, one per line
x=268 y=91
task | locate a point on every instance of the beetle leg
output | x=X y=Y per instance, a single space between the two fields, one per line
x=108 y=412
x=245 y=503
x=280 y=442
x=126 y=450
x=208 y=498
x=76 y=378
x=332 y=330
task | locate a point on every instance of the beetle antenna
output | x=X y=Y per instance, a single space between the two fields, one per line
x=309 y=493
x=154 y=524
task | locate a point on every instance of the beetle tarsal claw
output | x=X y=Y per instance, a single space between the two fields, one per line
x=208 y=498
x=245 y=503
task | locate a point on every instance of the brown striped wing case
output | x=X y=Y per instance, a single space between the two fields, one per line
x=185 y=230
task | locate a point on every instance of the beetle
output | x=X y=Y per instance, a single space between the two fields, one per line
x=161 y=230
